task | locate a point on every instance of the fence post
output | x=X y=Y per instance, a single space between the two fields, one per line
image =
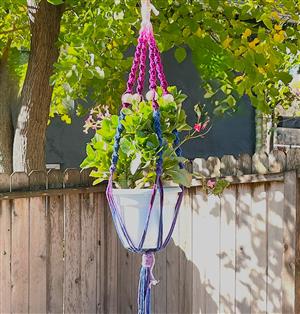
x=297 y=227
x=290 y=233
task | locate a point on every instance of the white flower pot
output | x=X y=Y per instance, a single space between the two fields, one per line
x=133 y=206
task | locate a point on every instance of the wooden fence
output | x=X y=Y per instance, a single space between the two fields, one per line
x=239 y=253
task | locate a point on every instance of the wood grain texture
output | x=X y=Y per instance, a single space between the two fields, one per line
x=199 y=244
x=72 y=280
x=111 y=253
x=212 y=252
x=258 y=256
x=289 y=242
x=173 y=253
x=227 y=250
x=37 y=256
x=55 y=264
x=88 y=253
x=5 y=256
x=297 y=257
x=275 y=199
x=20 y=256
x=101 y=267
x=243 y=250
x=185 y=255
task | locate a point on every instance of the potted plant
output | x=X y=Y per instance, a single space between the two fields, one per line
x=135 y=173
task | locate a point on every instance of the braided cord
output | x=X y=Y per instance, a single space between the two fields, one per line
x=160 y=69
x=135 y=64
x=156 y=113
x=142 y=68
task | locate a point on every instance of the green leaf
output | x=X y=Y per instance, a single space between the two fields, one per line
x=180 y=54
x=285 y=77
x=181 y=176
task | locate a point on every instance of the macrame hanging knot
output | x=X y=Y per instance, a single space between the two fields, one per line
x=148 y=261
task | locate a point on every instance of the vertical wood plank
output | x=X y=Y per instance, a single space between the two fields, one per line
x=136 y=261
x=72 y=289
x=258 y=271
x=289 y=242
x=275 y=198
x=227 y=251
x=125 y=296
x=212 y=280
x=88 y=253
x=20 y=256
x=55 y=267
x=37 y=255
x=101 y=253
x=160 y=290
x=185 y=255
x=173 y=272
x=111 y=293
x=297 y=257
x=243 y=249
x=199 y=248
x=5 y=256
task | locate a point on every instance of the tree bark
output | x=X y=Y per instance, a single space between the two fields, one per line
x=30 y=134
x=6 y=129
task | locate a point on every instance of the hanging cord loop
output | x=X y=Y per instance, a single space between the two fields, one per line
x=146 y=8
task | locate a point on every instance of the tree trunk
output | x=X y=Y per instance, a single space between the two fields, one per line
x=6 y=130
x=30 y=134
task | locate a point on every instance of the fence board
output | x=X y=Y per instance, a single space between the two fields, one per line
x=159 y=291
x=5 y=256
x=172 y=292
x=88 y=253
x=55 y=266
x=37 y=256
x=199 y=247
x=289 y=240
x=243 y=249
x=227 y=250
x=101 y=252
x=212 y=253
x=233 y=254
x=125 y=280
x=111 y=294
x=20 y=256
x=258 y=255
x=185 y=255
x=275 y=199
x=72 y=286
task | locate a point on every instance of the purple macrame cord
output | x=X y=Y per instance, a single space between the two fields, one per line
x=146 y=41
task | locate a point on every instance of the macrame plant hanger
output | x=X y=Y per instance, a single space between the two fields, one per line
x=146 y=42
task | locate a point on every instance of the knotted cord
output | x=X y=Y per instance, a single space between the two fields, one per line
x=146 y=42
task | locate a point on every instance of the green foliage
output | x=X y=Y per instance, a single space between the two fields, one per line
x=238 y=47
x=139 y=144
x=180 y=54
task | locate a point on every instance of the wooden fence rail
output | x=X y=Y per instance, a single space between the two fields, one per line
x=238 y=253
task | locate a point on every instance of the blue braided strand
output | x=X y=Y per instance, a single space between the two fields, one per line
x=176 y=142
x=157 y=128
x=115 y=155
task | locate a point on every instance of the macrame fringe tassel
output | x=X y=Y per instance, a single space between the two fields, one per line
x=145 y=283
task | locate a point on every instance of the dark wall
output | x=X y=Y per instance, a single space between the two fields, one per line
x=231 y=134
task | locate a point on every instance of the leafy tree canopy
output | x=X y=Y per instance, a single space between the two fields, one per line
x=238 y=47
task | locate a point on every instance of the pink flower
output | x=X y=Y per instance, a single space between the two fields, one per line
x=197 y=127
x=211 y=183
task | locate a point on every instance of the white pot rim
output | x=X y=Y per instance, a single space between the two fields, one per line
x=146 y=191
